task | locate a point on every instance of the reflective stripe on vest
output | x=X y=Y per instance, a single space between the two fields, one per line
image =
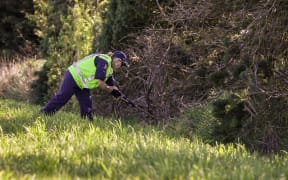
x=83 y=80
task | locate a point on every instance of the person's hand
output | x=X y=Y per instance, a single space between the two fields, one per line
x=116 y=93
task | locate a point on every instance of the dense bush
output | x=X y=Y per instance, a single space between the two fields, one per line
x=237 y=48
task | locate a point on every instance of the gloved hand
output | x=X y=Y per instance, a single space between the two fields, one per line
x=116 y=93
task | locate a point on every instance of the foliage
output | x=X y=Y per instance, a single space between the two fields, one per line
x=16 y=30
x=124 y=18
x=40 y=90
x=231 y=116
x=254 y=67
x=196 y=122
x=199 y=51
x=67 y=35
x=66 y=147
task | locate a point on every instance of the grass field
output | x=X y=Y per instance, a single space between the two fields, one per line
x=33 y=146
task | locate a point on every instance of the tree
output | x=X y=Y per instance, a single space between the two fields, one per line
x=66 y=30
x=124 y=17
x=16 y=30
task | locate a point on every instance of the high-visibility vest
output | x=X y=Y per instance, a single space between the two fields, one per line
x=83 y=71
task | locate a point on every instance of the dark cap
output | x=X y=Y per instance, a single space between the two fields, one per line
x=121 y=55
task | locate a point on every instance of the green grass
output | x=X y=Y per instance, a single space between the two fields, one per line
x=33 y=146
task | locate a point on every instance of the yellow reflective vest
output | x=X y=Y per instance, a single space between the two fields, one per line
x=83 y=71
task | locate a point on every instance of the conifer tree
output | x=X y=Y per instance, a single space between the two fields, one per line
x=124 y=17
x=67 y=35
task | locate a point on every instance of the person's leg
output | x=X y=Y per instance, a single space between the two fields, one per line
x=67 y=89
x=85 y=103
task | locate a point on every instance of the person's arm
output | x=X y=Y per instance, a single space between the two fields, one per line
x=100 y=76
x=111 y=89
x=105 y=86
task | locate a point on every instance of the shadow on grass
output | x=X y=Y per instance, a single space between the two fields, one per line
x=14 y=126
x=13 y=116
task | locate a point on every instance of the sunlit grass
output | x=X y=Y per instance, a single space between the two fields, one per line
x=33 y=146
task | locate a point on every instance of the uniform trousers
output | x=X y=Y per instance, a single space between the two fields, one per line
x=67 y=89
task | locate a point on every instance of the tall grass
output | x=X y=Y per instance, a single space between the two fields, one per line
x=33 y=146
x=16 y=77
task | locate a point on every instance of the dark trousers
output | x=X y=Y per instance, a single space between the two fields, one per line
x=67 y=89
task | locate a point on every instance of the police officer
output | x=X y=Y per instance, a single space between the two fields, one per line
x=93 y=71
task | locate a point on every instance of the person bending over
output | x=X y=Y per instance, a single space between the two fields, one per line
x=93 y=71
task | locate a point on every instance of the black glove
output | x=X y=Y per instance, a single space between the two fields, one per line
x=116 y=93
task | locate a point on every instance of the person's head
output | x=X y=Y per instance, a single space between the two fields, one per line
x=119 y=59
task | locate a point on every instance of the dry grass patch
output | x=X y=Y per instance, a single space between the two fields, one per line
x=16 y=77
